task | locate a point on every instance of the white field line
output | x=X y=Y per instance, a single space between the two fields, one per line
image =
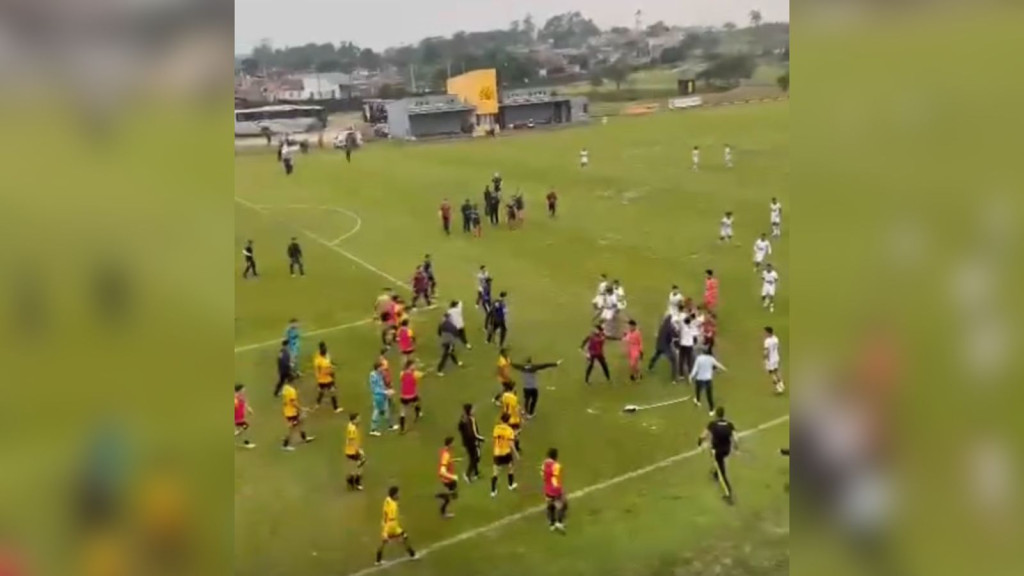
x=353 y=215
x=277 y=341
x=579 y=493
x=665 y=403
x=331 y=246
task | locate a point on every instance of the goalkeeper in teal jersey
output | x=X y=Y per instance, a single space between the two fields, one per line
x=380 y=392
x=291 y=335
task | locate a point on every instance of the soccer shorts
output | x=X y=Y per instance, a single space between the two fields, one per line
x=392 y=532
x=503 y=460
x=293 y=421
x=452 y=486
x=358 y=456
x=767 y=290
x=771 y=365
x=242 y=425
x=410 y=400
x=326 y=385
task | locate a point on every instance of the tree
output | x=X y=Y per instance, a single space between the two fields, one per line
x=368 y=59
x=728 y=70
x=529 y=27
x=783 y=81
x=755 y=18
x=250 y=66
x=619 y=30
x=568 y=30
x=673 y=54
x=596 y=80
x=730 y=26
x=656 y=29
x=617 y=72
x=328 y=66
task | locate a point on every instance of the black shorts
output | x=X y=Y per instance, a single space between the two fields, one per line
x=293 y=420
x=413 y=400
x=384 y=317
x=243 y=425
x=326 y=385
x=355 y=457
x=515 y=428
x=451 y=486
x=505 y=460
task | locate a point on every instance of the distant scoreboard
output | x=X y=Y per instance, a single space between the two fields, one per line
x=687 y=86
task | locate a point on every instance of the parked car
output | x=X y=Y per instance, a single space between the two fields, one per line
x=348 y=138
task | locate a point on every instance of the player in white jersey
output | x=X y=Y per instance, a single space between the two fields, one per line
x=675 y=300
x=769 y=281
x=772 y=358
x=603 y=285
x=776 y=218
x=584 y=158
x=762 y=249
x=620 y=294
x=728 y=156
x=606 y=308
x=725 y=228
x=695 y=155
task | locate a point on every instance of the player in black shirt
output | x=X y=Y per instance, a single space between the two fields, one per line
x=466 y=210
x=471 y=441
x=496 y=320
x=295 y=258
x=250 y=260
x=428 y=269
x=722 y=435
x=496 y=182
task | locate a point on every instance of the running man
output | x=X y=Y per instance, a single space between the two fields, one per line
x=449 y=479
x=324 y=369
x=242 y=410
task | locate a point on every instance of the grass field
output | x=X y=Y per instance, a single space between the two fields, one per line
x=639 y=214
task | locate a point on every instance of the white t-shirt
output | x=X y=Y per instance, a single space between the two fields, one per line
x=480 y=278
x=771 y=352
x=584 y=156
x=762 y=248
x=776 y=209
x=696 y=156
x=728 y=153
x=620 y=296
x=726 y=227
x=602 y=287
x=455 y=314
x=769 y=279
x=675 y=299
x=608 y=304
x=688 y=334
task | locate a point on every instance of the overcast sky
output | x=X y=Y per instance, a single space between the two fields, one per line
x=382 y=23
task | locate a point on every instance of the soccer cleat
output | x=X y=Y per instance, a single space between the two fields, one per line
x=513 y=486
x=494 y=494
x=711 y=413
x=359 y=487
x=448 y=515
x=288 y=448
x=309 y=439
x=440 y=374
x=378 y=563
x=375 y=433
x=339 y=410
x=552 y=527
x=393 y=427
x=469 y=346
x=559 y=527
x=696 y=402
x=250 y=445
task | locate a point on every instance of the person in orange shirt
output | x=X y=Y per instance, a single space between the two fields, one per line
x=710 y=290
x=449 y=479
x=635 y=347
x=406 y=340
x=410 y=392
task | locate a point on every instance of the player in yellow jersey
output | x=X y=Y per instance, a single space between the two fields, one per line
x=323 y=368
x=504 y=373
x=510 y=406
x=293 y=416
x=504 y=454
x=391 y=529
x=354 y=453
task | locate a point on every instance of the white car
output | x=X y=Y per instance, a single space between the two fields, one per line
x=342 y=138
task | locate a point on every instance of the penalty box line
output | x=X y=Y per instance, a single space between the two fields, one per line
x=577 y=494
x=330 y=245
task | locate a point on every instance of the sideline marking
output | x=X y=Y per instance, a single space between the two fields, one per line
x=353 y=215
x=536 y=509
x=331 y=246
x=304 y=335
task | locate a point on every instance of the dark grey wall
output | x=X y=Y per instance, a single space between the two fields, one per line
x=425 y=125
x=542 y=113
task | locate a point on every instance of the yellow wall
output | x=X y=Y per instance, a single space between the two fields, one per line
x=479 y=88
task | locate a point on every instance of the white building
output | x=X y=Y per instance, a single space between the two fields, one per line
x=325 y=86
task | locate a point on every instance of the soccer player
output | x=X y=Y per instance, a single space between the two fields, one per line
x=510 y=214
x=381 y=392
x=772 y=358
x=242 y=409
x=675 y=300
x=482 y=277
x=448 y=335
x=722 y=435
x=728 y=156
x=488 y=203
x=496 y=182
x=552 y=199
x=406 y=340
x=455 y=314
x=292 y=336
x=250 y=260
x=287 y=158
x=292 y=415
x=354 y=453
x=554 y=492
x=466 y=209
x=606 y=306
x=471 y=441
x=449 y=479
x=635 y=348
x=666 y=345
x=584 y=158
x=593 y=350
x=391 y=529
x=602 y=286
x=769 y=281
x=410 y=393
x=531 y=394
x=510 y=407
x=688 y=334
x=295 y=258
x=725 y=228
x=398 y=310
x=710 y=289
x=708 y=330
x=776 y=218
x=504 y=454
x=702 y=375
x=382 y=305
x=420 y=287
x=428 y=269
x=497 y=323
x=503 y=372
x=520 y=205
x=474 y=221
x=695 y=156
x=446 y=216
x=323 y=368
x=285 y=368
x=762 y=249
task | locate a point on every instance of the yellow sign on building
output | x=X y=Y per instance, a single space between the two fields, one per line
x=478 y=88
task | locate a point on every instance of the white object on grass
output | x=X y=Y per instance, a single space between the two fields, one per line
x=632 y=408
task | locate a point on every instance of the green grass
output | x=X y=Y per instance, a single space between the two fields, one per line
x=639 y=214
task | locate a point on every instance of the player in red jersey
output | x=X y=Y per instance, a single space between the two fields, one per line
x=709 y=328
x=449 y=479
x=552 y=198
x=406 y=340
x=420 y=287
x=554 y=491
x=710 y=290
x=242 y=409
x=635 y=348
x=409 y=381
x=593 y=350
x=446 y=217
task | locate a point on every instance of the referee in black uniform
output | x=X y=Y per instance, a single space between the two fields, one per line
x=295 y=258
x=471 y=441
x=250 y=260
x=722 y=435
